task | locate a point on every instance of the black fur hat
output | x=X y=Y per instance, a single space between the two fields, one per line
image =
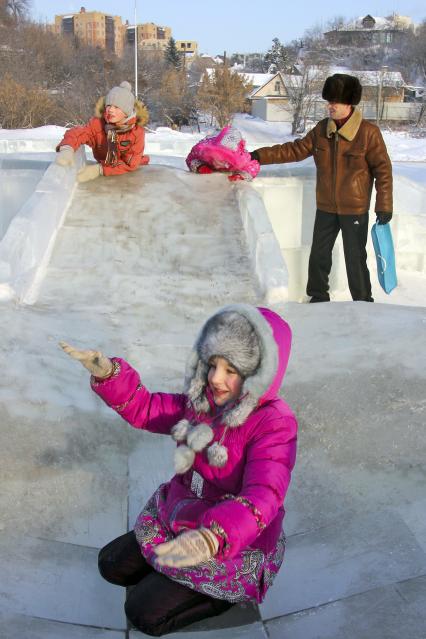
x=342 y=88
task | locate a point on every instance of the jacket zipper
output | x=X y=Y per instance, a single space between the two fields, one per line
x=336 y=139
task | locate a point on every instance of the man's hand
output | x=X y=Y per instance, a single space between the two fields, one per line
x=383 y=218
x=190 y=548
x=96 y=363
x=89 y=172
x=65 y=156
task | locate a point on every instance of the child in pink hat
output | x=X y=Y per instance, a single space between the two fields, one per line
x=223 y=152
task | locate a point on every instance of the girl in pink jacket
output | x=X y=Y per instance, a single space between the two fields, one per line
x=211 y=536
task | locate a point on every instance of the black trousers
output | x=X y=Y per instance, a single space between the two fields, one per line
x=354 y=234
x=155 y=604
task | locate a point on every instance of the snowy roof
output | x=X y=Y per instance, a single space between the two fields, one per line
x=256 y=79
x=381 y=24
x=367 y=78
x=387 y=78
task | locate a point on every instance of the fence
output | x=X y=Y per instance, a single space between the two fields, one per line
x=389 y=111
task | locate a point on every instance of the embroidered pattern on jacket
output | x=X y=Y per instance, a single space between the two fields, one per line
x=121 y=407
x=243 y=578
x=116 y=369
x=246 y=502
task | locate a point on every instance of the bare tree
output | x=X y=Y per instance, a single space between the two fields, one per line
x=303 y=91
x=22 y=107
x=17 y=9
x=222 y=94
x=176 y=101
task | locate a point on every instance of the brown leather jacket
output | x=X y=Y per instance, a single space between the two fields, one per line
x=348 y=161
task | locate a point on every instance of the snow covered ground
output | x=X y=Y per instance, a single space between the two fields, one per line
x=137 y=264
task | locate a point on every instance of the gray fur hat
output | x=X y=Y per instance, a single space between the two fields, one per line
x=121 y=97
x=251 y=349
x=230 y=335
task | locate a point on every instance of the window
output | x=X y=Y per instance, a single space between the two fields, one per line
x=278 y=87
x=188 y=45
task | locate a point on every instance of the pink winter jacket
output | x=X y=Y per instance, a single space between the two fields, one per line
x=261 y=454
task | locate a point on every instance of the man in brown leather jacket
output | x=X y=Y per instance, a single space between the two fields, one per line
x=350 y=155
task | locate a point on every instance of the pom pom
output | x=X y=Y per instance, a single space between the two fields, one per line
x=180 y=430
x=199 y=437
x=126 y=85
x=184 y=458
x=217 y=455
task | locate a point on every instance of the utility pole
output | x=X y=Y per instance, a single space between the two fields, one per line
x=136 y=55
x=379 y=94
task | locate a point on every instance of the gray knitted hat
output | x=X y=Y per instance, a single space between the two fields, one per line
x=121 y=97
x=230 y=335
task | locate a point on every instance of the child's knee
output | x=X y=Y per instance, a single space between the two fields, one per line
x=142 y=619
x=108 y=568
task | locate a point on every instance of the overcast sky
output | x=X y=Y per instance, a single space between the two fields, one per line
x=223 y=25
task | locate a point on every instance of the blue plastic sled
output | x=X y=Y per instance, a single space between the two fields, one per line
x=385 y=256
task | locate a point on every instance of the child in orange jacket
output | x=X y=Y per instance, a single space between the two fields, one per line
x=116 y=136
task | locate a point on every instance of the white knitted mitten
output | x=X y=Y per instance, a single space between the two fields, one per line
x=190 y=548
x=65 y=156
x=89 y=172
x=96 y=363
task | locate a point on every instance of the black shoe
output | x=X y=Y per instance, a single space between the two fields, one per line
x=314 y=300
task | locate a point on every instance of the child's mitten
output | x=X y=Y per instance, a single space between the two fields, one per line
x=204 y=169
x=190 y=548
x=96 y=363
x=65 y=156
x=89 y=172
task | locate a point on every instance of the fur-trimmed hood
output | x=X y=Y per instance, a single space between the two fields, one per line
x=142 y=113
x=274 y=336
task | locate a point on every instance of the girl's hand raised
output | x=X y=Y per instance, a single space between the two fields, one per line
x=96 y=363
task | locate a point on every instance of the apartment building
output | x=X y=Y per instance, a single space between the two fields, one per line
x=94 y=28
x=188 y=47
x=150 y=35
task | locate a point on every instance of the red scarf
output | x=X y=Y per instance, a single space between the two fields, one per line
x=112 y=130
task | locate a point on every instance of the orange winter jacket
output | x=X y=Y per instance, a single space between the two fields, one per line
x=130 y=144
x=348 y=161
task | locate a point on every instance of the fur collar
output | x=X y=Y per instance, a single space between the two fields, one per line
x=142 y=114
x=349 y=129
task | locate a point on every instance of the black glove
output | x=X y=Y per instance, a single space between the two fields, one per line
x=254 y=155
x=383 y=218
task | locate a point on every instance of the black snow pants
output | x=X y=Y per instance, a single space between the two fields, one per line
x=354 y=234
x=154 y=604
